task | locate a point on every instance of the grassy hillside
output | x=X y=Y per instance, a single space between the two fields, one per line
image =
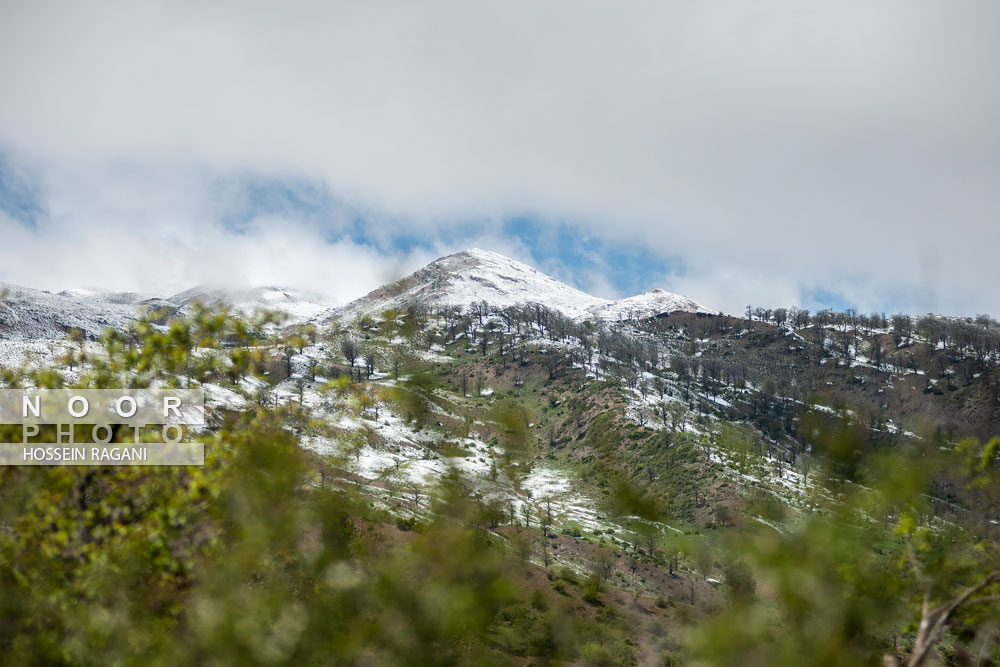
x=510 y=487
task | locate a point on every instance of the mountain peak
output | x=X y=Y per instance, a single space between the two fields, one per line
x=299 y=305
x=477 y=253
x=487 y=259
x=475 y=275
x=100 y=294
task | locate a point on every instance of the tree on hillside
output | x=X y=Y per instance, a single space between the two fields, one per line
x=349 y=349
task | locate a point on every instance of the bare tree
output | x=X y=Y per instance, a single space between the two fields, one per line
x=350 y=350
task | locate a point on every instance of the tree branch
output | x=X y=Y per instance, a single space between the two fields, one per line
x=932 y=623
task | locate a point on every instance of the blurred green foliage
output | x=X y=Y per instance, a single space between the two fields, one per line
x=250 y=559
x=261 y=557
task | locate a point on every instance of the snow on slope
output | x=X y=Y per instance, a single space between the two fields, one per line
x=27 y=314
x=456 y=280
x=103 y=295
x=300 y=306
x=648 y=304
x=479 y=275
x=30 y=314
x=470 y=276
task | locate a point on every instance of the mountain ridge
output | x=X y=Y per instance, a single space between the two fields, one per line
x=461 y=280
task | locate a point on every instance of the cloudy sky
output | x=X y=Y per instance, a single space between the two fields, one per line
x=771 y=152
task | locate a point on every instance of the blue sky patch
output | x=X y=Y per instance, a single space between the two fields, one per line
x=20 y=195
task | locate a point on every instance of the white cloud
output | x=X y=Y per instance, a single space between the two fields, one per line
x=156 y=235
x=780 y=144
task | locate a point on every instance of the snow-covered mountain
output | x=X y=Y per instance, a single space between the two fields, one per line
x=35 y=314
x=648 y=304
x=31 y=314
x=103 y=295
x=458 y=280
x=299 y=305
x=476 y=275
x=471 y=276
